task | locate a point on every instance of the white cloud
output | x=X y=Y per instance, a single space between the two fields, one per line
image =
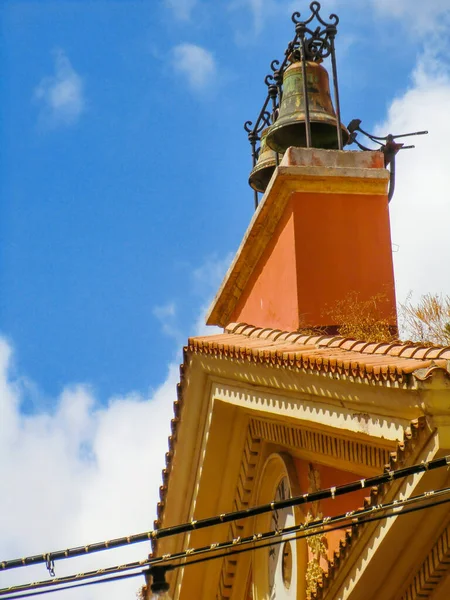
x=420 y=209
x=167 y=316
x=61 y=96
x=164 y=311
x=79 y=474
x=260 y=11
x=208 y=276
x=196 y=64
x=182 y=9
x=421 y=16
x=207 y=279
x=257 y=9
x=84 y=472
x=204 y=282
x=200 y=327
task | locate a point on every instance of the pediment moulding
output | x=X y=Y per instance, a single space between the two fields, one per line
x=371 y=454
x=338 y=416
x=417 y=437
x=280 y=363
x=432 y=571
x=288 y=349
x=265 y=437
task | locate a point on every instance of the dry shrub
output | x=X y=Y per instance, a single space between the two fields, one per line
x=428 y=321
x=361 y=319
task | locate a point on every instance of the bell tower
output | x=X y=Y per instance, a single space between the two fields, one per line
x=269 y=410
x=321 y=232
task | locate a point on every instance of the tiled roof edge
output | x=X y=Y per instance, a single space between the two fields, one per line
x=177 y=410
x=397 y=349
x=400 y=371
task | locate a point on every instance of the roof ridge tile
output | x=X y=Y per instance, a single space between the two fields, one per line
x=406 y=349
x=234 y=327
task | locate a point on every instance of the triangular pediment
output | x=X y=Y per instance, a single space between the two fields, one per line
x=239 y=404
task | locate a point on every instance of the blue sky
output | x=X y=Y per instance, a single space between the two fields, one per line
x=123 y=198
x=125 y=166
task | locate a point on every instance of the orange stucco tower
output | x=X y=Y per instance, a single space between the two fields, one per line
x=320 y=234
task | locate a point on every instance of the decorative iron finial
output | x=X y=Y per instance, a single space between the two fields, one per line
x=313 y=42
x=308 y=45
x=318 y=41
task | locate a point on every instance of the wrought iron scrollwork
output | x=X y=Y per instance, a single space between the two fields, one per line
x=308 y=44
x=387 y=145
x=262 y=121
x=316 y=44
x=315 y=13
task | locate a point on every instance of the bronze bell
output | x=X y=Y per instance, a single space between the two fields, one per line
x=289 y=129
x=265 y=165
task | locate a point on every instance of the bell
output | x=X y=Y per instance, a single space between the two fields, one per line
x=265 y=165
x=289 y=129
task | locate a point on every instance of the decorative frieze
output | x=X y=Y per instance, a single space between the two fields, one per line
x=319 y=442
x=242 y=498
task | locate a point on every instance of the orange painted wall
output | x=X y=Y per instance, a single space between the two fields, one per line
x=330 y=477
x=270 y=297
x=343 y=245
x=325 y=247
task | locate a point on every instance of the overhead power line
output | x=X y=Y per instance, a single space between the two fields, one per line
x=354 y=518
x=75 y=585
x=332 y=492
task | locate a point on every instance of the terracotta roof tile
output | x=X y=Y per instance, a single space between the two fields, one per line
x=335 y=342
x=385 y=348
x=373 y=348
x=349 y=344
x=330 y=354
x=237 y=327
x=282 y=335
x=407 y=351
x=433 y=352
x=421 y=352
x=359 y=346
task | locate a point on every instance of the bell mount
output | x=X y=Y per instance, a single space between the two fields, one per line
x=308 y=45
x=388 y=146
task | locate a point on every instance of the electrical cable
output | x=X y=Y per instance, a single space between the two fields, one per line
x=76 y=585
x=227 y=554
x=300 y=531
x=331 y=492
x=300 y=536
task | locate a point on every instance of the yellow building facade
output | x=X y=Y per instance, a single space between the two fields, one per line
x=266 y=411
